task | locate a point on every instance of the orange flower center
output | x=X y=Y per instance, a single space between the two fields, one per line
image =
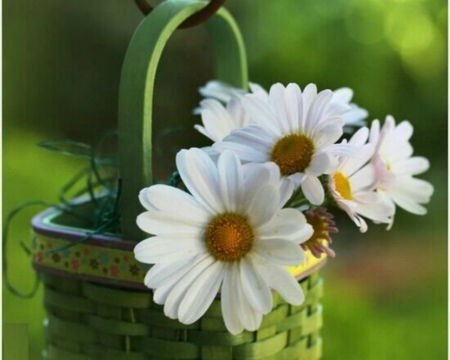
x=342 y=185
x=229 y=237
x=293 y=153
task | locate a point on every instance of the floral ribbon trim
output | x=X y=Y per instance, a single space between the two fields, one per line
x=88 y=260
x=113 y=264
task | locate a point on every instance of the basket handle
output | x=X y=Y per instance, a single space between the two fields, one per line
x=137 y=87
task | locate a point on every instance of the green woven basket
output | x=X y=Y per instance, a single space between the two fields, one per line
x=97 y=305
x=87 y=321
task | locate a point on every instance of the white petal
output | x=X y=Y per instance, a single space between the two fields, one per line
x=318 y=109
x=201 y=294
x=244 y=152
x=363 y=179
x=238 y=115
x=278 y=278
x=319 y=164
x=257 y=292
x=355 y=116
x=205 y=132
x=200 y=176
x=255 y=177
x=280 y=251
x=297 y=178
x=328 y=136
x=350 y=165
x=160 y=222
x=162 y=248
x=360 y=137
x=255 y=137
x=416 y=189
x=309 y=94
x=305 y=234
x=313 y=190
x=403 y=131
x=412 y=166
x=231 y=181
x=286 y=224
x=163 y=274
x=250 y=317
x=145 y=200
x=343 y=149
x=178 y=292
x=260 y=112
x=169 y=198
x=228 y=301
x=258 y=90
x=264 y=205
x=343 y=95
x=217 y=123
x=278 y=105
x=294 y=102
x=377 y=211
x=220 y=91
x=287 y=188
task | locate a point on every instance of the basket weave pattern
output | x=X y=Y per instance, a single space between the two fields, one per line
x=87 y=321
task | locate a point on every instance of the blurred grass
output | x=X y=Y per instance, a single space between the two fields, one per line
x=28 y=173
x=386 y=293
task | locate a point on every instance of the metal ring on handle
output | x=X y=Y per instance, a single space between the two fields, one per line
x=195 y=19
x=137 y=89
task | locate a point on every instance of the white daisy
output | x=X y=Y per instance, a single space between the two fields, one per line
x=355 y=116
x=229 y=234
x=295 y=130
x=395 y=167
x=352 y=185
x=220 y=120
x=222 y=111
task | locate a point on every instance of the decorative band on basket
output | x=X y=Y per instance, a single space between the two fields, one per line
x=95 y=261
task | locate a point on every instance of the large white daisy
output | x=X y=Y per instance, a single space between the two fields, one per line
x=352 y=185
x=295 y=130
x=395 y=167
x=354 y=117
x=228 y=234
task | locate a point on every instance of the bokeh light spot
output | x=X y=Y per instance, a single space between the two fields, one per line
x=408 y=28
x=364 y=21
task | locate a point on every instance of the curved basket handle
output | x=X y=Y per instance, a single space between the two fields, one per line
x=137 y=87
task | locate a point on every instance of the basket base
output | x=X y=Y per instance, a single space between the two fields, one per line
x=87 y=321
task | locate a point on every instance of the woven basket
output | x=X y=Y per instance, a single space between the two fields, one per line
x=87 y=321
x=97 y=305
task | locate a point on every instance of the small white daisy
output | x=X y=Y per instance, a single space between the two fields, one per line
x=395 y=167
x=352 y=185
x=220 y=120
x=229 y=234
x=355 y=116
x=222 y=111
x=295 y=130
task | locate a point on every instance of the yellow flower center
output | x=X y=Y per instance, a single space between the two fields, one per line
x=342 y=185
x=293 y=153
x=229 y=237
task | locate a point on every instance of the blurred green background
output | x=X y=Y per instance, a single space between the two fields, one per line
x=386 y=292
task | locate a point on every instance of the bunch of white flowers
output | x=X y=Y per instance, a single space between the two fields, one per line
x=252 y=203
